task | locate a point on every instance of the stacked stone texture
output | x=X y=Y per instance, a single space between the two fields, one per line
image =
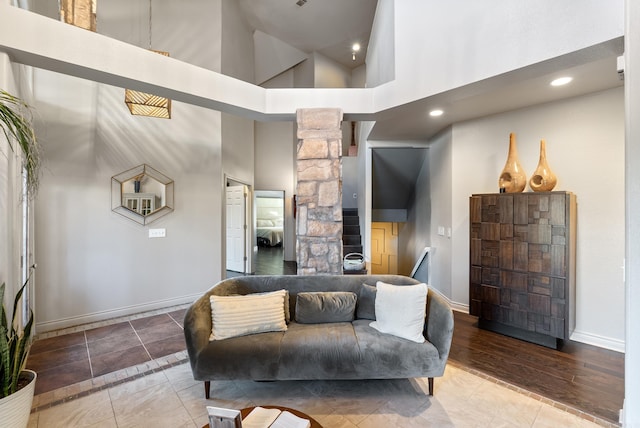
x=319 y=192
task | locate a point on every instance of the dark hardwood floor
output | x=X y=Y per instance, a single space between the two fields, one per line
x=585 y=377
x=270 y=261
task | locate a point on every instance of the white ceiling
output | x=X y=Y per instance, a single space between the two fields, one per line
x=329 y=27
x=332 y=26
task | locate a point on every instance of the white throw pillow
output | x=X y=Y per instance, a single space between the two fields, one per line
x=233 y=316
x=400 y=310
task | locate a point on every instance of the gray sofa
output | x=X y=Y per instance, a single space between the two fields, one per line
x=337 y=350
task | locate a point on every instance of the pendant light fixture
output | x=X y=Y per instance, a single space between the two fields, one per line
x=143 y=104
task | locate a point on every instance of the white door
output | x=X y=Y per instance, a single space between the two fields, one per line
x=236 y=228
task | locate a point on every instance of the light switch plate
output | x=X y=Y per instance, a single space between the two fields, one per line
x=157 y=233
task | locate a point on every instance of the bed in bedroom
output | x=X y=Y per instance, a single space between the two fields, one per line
x=269 y=232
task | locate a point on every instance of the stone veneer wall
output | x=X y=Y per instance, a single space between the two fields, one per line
x=319 y=192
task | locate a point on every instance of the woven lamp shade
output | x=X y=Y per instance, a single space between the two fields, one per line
x=143 y=104
x=81 y=13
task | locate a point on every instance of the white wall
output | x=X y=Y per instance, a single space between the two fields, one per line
x=275 y=163
x=330 y=74
x=10 y=193
x=96 y=264
x=380 y=59
x=441 y=164
x=520 y=34
x=585 y=148
x=237 y=59
x=414 y=234
x=631 y=417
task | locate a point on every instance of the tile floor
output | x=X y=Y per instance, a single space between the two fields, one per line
x=134 y=372
x=86 y=379
x=171 y=398
x=76 y=356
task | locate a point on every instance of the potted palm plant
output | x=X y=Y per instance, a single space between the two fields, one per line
x=16 y=124
x=17 y=384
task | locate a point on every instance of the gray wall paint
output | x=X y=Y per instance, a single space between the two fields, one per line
x=440 y=176
x=93 y=263
x=585 y=149
x=349 y=182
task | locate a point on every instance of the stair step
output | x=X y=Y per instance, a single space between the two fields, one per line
x=351 y=240
x=350 y=212
x=346 y=249
x=350 y=220
x=350 y=230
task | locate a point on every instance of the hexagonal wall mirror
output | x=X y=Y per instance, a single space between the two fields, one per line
x=142 y=194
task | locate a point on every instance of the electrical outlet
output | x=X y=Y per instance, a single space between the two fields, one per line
x=157 y=233
x=441 y=230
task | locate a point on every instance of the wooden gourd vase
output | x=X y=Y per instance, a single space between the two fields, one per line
x=513 y=178
x=543 y=179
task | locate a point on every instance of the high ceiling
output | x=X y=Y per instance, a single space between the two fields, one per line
x=329 y=27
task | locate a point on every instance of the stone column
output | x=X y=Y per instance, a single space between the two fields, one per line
x=319 y=192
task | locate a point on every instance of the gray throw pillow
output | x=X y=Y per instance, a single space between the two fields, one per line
x=366 y=308
x=325 y=307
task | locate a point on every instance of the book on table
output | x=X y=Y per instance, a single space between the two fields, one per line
x=261 y=417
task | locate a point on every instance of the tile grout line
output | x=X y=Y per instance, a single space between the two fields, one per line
x=141 y=342
x=86 y=344
x=161 y=364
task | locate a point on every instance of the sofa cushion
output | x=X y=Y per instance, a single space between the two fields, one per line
x=325 y=307
x=319 y=351
x=392 y=357
x=366 y=306
x=233 y=316
x=401 y=310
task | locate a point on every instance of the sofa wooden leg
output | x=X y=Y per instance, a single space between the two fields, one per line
x=431 y=386
x=207 y=387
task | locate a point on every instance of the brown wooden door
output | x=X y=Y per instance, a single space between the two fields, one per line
x=384 y=248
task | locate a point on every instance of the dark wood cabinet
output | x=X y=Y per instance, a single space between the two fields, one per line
x=522 y=273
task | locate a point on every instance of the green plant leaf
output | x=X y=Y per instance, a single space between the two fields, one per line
x=16 y=125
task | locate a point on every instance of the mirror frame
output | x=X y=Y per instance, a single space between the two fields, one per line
x=117 y=182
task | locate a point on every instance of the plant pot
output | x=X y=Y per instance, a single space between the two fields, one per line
x=16 y=408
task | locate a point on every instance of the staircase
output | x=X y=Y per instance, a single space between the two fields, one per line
x=351 y=240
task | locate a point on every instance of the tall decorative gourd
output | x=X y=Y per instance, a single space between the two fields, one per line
x=543 y=179
x=513 y=178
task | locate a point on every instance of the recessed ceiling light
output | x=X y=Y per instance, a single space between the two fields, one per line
x=436 y=113
x=561 y=81
x=356 y=47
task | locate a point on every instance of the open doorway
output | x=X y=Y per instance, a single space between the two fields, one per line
x=269 y=227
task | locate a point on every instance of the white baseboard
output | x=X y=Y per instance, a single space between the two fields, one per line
x=460 y=307
x=46 y=326
x=599 y=341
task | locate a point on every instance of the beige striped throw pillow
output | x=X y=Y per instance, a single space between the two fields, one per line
x=234 y=316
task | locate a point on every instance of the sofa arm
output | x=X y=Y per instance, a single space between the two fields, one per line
x=197 y=327
x=439 y=324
